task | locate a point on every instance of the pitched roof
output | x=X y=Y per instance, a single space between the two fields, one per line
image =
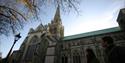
x=109 y=30
x=121 y=14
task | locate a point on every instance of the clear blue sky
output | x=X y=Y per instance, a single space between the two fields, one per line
x=94 y=15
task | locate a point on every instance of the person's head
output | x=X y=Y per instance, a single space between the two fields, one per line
x=106 y=41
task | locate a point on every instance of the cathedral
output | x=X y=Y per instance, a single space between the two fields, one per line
x=47 y=43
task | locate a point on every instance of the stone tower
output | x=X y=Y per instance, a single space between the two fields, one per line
x=121 y=19
x=56 y=28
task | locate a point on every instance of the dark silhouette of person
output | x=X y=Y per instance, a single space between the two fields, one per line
x=113 y=53
x=91 y=58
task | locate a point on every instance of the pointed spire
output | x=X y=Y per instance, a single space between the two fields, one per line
x=57 y=14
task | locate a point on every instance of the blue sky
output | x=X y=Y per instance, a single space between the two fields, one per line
x=94 y=15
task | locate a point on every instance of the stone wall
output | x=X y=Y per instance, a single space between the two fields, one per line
x=76 y=47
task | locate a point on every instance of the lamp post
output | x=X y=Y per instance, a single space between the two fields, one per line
x=16 y=38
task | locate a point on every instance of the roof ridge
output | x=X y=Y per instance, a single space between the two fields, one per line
x=113 y=29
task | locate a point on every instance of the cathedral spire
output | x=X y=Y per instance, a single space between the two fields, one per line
x=57 y=15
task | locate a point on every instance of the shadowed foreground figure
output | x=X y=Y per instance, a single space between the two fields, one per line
x=91 y=58
x=113 y=53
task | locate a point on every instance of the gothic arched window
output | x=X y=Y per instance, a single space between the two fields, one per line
x=30 y=52
x=34 y=40
x=31 y=48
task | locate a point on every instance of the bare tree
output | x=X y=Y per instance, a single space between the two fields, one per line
x=13 y=13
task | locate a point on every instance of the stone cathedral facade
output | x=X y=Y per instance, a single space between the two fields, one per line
x=47 y=44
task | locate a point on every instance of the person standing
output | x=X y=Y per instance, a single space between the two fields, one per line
x=113 y=53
